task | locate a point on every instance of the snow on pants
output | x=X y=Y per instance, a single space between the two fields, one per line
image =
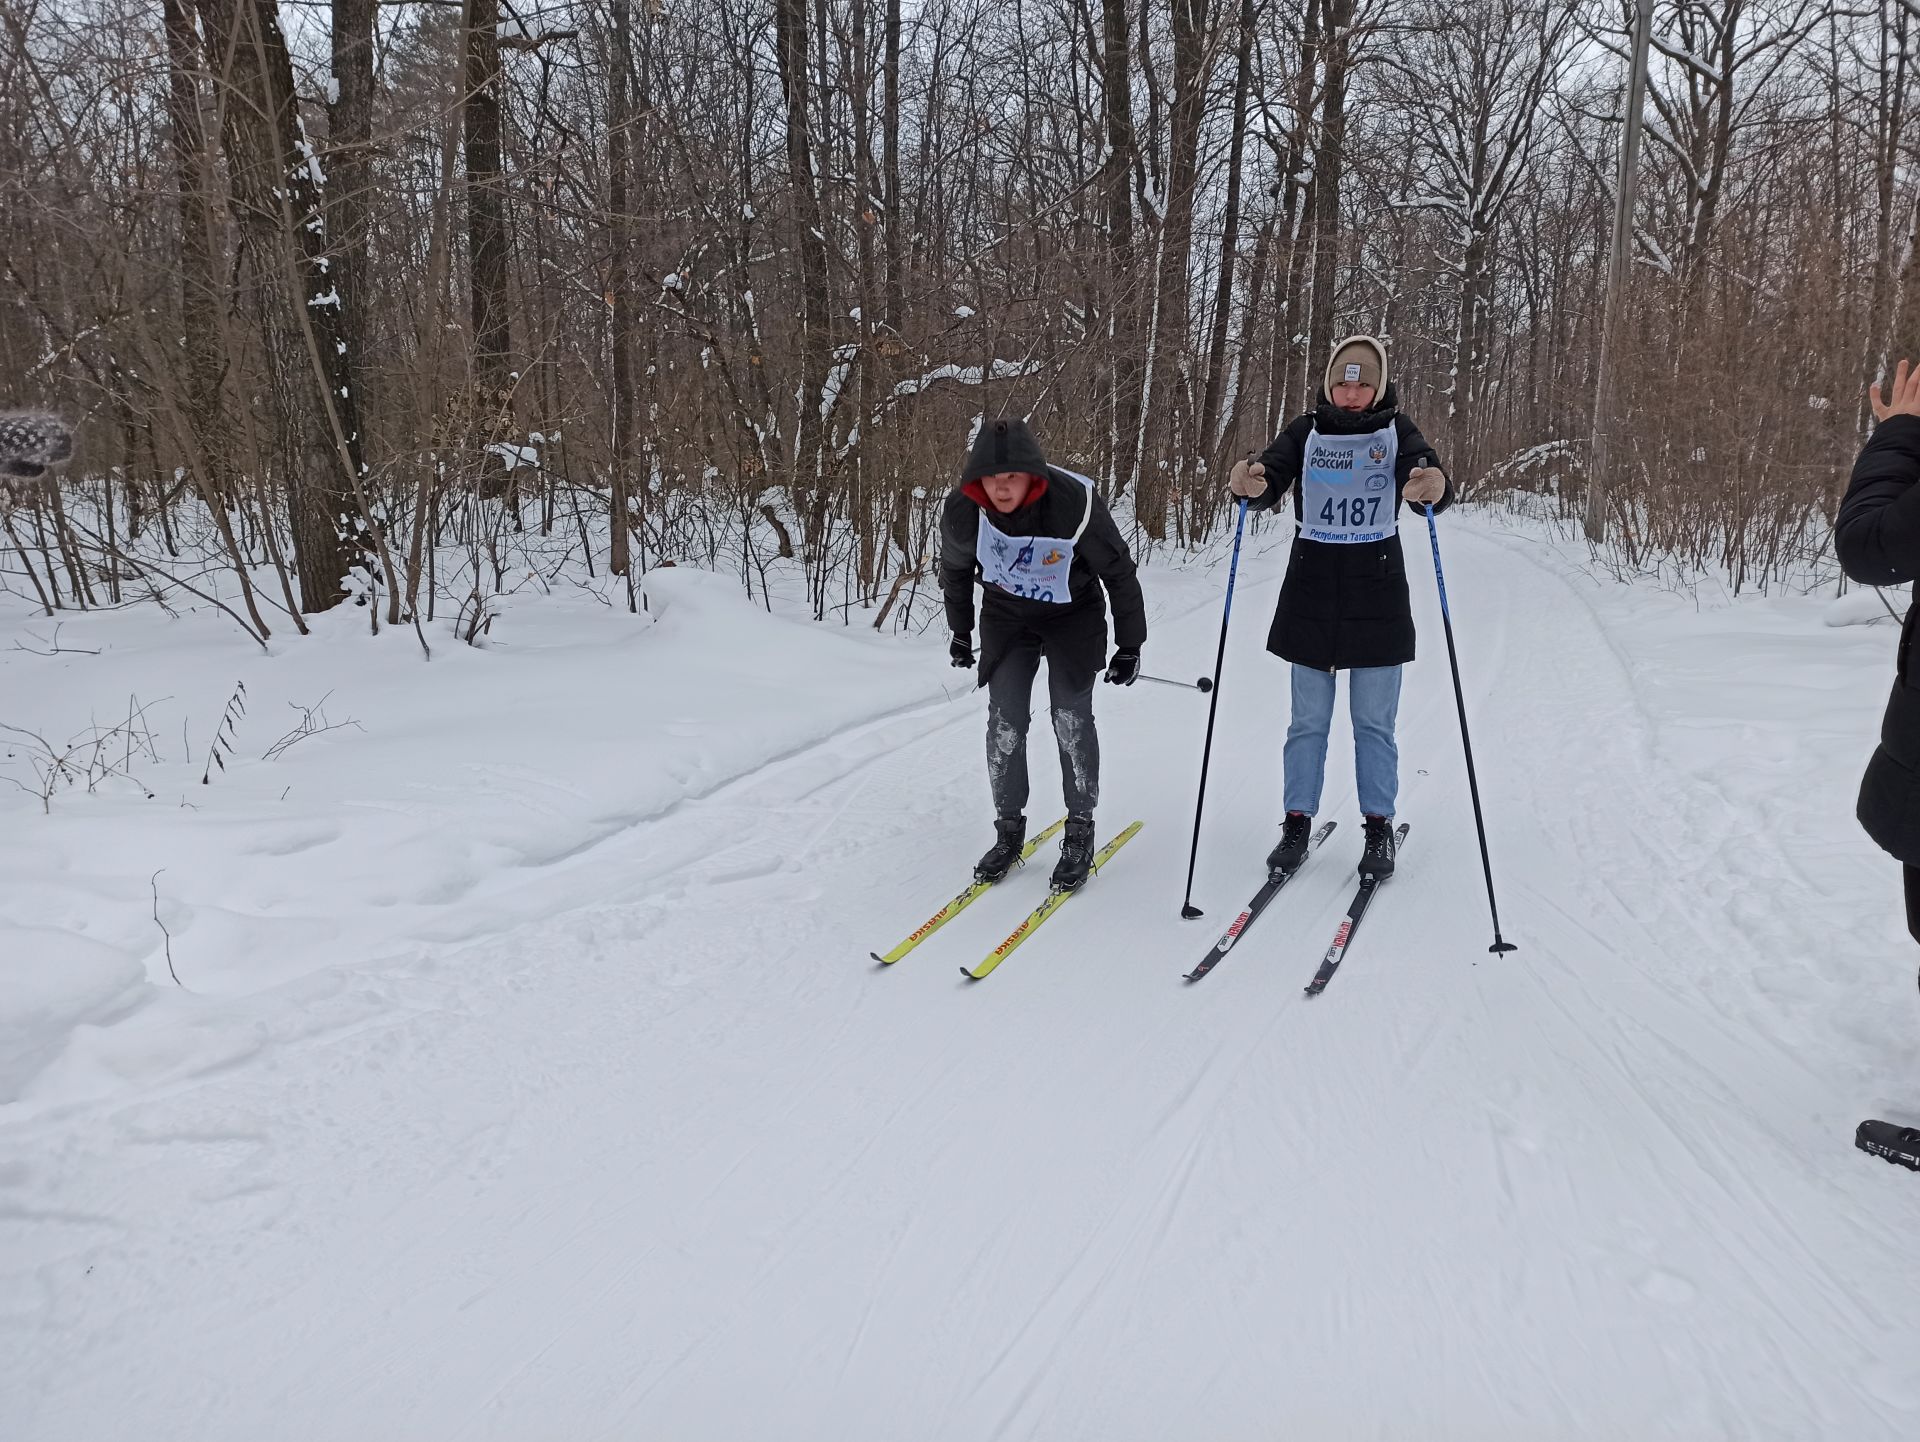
x=1009 y=702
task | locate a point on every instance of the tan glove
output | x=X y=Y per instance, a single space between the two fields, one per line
x=1426 y=485
x=1247 y=478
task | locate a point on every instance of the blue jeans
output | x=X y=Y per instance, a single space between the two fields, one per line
x=1373 y=696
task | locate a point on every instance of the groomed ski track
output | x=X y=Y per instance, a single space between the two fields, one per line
x=682 y=1163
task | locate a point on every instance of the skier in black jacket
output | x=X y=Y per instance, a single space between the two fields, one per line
x=1878 y=541
x=1043 y=545
x=1348 y=463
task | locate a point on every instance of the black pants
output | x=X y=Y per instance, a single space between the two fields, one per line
x=1913 y=901
x=1009 y=703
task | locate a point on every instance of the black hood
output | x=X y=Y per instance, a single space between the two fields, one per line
x=1330 y=420
x=1004 y=445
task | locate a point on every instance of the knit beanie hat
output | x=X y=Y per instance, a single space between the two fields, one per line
x=30 y=444
x=1004 y=444
x=1358 y=358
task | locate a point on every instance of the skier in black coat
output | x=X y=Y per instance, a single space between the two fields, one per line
x=1877 y=538
x=1348 y=464
x=1878 y=541
x=1044 y=547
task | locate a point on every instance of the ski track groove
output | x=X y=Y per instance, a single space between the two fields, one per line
x=1248 y=1091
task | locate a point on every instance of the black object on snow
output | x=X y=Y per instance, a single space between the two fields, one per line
x=1897 y=1144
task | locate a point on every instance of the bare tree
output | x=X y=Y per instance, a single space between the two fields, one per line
x=282 y=256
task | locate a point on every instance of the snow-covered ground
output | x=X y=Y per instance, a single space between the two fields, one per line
x=527 y=1077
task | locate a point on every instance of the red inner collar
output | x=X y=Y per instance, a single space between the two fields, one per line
x=977 y=493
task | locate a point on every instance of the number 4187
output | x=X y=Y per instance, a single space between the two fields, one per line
x=1351 y=511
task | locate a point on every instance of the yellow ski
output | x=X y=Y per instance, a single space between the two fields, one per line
x=959 y=904
x=1045 y=909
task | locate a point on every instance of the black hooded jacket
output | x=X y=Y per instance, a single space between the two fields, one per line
x=1074 y=633
x=1344 y=606
x=1877 y=539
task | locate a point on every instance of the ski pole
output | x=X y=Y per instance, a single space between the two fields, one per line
x=1203 y=685
x=1187 y=908
x=1466 y=741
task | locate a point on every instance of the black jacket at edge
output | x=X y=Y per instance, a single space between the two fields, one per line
x=1877 y=539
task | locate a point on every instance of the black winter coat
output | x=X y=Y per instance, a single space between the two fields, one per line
x=1878 y=541
x=1073 y=635
x=1344 y=606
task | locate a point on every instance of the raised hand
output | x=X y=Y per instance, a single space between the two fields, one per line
x=1247 y=478
x=1903 y=396
x=1426 y=485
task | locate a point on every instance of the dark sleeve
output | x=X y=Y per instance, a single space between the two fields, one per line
x=1109 y=559
x=1417 y=450
x=1877 y=537
x=1282 y=458
x=959 y=534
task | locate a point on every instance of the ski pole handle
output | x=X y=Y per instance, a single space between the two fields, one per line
x=1203 y=685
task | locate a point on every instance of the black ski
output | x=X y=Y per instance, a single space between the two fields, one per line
x=1891 y=1141
x=1275 y=880
x=1362 y=898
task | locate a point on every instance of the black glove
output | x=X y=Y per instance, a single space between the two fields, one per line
x=1124 y=669
x=962 y=652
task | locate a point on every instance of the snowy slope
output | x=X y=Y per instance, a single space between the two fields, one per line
x=610 y=1129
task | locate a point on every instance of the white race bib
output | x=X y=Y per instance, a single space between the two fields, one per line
x=1347 y=492
x=1038 y=568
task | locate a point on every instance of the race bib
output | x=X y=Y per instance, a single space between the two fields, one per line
x=1038 y=568
x=1347 y=493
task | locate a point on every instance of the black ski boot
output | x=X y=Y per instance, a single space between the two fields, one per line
x=1292 y=849
x=1076 y=854
x=1377 y=859
x=1898 y=1144
x=1012 y=831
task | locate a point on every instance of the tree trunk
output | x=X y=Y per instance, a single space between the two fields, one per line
x=283 y=268
x=1893 y=84
x=866 y=220
x=1173 y=353
x=790 y=32
x=1116 y=185
x=1209 y=439
x=350 y=174
x=202 y=293
x=487 y=227
x=1468 y=357
x=1329 y=159
x=1904 y=336
x=890 y=165
x=1232 y=438
x=619 y=279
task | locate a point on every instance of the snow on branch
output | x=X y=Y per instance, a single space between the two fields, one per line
x=1001 y=370
x=1681 y=55
x=843 y=361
